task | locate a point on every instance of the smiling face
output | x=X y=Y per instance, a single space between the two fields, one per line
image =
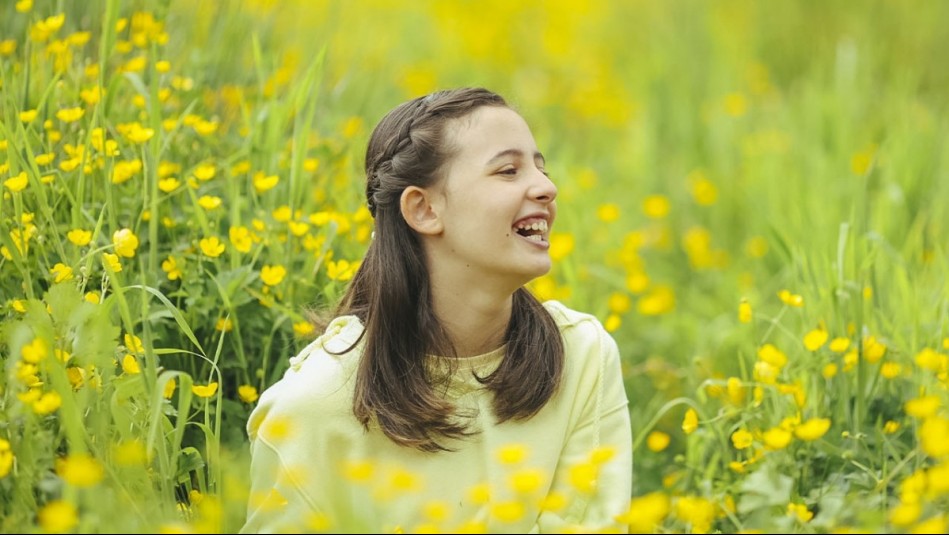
x=494 y=201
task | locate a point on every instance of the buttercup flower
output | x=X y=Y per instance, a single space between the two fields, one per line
x=273 y=275
x=79 y=237
x=126 y=242
x=211 y=247
x=204 y=391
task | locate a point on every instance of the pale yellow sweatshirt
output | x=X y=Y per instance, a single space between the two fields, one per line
x=568 y=468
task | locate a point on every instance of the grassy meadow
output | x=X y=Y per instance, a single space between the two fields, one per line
x=752 y=199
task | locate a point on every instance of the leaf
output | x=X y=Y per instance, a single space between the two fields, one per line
x=765 y=488
x=179 y=319
x=63 y=299
x=189 y=460
x=96 y=336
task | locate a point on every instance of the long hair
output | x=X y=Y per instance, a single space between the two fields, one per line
x=390 y=294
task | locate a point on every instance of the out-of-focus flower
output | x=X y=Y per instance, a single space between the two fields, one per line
x=247 y=393
x=657 y=441
x=80 y=470
x=273 y=275
x=211 y=247
x=690 y=422
x=58 y=516
x=126 y=242
x=204 y=391
x=79 y=237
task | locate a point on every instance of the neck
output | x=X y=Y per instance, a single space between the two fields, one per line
x=474 y=318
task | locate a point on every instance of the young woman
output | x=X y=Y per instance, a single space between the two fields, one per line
x=444 y=396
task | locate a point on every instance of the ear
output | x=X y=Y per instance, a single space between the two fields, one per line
x=420 y=211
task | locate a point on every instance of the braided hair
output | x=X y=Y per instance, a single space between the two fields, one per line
x=390 y=294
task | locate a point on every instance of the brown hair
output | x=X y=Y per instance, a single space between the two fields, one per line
x=390 y=294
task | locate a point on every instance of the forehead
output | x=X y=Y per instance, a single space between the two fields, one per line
x=487 y=131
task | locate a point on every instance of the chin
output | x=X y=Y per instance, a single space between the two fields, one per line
x=538 y=270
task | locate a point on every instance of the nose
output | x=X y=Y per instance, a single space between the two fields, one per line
x=543 y=189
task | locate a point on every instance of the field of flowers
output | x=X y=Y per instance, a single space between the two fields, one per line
x=752 y=199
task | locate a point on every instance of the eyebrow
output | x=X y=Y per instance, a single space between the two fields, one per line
x=514 y=152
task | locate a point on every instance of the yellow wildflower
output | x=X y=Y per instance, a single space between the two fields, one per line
x=303 y=328
x=204 y=391
x=358 y=470
x=511 y=511
x=814 y=339
x=646 y=512
x=934 y=436
x=608 y=212
x=273 y=275
x=744 y=311
x=839 y=344
x=204 y=172
x=527 y=480
x=512 y=453
x=657 y=441
x=209 y=202
x=211 y=247
x=169 y=184
x=800 y=511
x=130 y=364
x=28 y=116
x=776 y=438
x=111 y=261
x=922 y=407
x=656 y=206
x=130 y=453
x=812 y=429
x=61 y=272
x=741 y=439
x=17 y=183
x=58 y=516
x=342 y=270
x=34 y=351
x=264 y=183
x=772 y=355
x=873 y=349
x=125 y=241
x=790 y=299
x=79 y=237
x=561 y=244
x=690 y=422
x=80 y=470
x=247 y=393
x=169 y=389
x=171 y=267
x=6 y=458
x=70 y=115
x=47 y=403
x=241 y=238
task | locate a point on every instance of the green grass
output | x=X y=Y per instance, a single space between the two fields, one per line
x=797 y=145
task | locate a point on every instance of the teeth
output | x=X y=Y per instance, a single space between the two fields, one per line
x=537 y=225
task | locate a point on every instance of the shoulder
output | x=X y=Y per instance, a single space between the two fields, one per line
x=573 y=323
x=319 y=379
x=584 y=336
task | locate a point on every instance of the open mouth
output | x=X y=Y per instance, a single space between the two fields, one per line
x=534 y=229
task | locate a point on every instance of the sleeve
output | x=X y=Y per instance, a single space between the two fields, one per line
x=595 y=470
x=275 y=504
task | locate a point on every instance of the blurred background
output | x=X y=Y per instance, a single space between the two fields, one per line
x=751 y=199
